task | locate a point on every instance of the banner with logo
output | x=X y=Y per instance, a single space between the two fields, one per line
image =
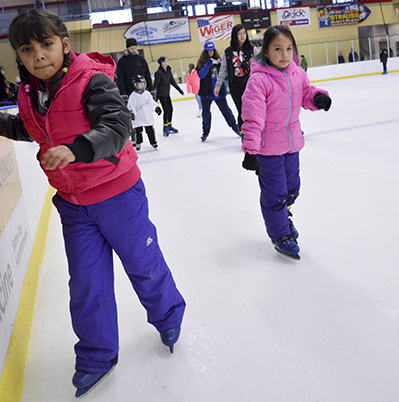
x=342 y=14
x=160 y=31
x=15 y=242
x=10 y=185
x=215 y=28
x=293 y=16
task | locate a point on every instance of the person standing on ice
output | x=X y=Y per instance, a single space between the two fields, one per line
x=193 y=84
x=163 y=80
x=69 y=105
x=235 y=66
x=276 y=90
x=130 y=65
x=142 y=105
x=208 y=66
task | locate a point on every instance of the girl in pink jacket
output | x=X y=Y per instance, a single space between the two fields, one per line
x=193 y=85
x=276 y=90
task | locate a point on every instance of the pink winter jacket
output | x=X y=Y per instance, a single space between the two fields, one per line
x=193 y=82
x=271 y=105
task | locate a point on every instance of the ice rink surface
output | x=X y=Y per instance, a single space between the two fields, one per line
x=258 y=326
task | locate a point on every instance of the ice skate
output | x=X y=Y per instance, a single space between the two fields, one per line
x=138 y=147
x=294 y=232
x=85 y=382
x=155 y=146
x=287 y=246
x=199 y=114
x=204 y=137
x=166 y=130
x=170 y=336
x=172 y=129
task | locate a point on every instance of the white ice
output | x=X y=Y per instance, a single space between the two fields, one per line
x=258 y=327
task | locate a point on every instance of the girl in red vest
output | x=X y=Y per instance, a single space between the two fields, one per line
x=69 y=105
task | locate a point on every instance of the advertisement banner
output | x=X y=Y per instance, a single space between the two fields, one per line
x=215 y=28
x=160 y=31
x=10 y=184
x=293 y=16
x=342 y=14
x=15 y=250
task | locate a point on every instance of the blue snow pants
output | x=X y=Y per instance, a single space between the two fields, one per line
x=223 y=107
x=91 y=233
x=279 y=184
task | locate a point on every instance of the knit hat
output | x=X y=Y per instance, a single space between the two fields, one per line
x=209 y=46
x=161 y=59
x=131 y=42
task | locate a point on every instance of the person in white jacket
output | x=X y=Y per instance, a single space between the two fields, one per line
x=142 y=106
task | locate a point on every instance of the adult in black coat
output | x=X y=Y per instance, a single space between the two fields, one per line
x=129 y=66
x=163 y=80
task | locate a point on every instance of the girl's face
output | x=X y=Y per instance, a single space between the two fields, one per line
x=211 y=52
x=164 y=64
x=241 y=36
x=280 y=51
x=44 y=60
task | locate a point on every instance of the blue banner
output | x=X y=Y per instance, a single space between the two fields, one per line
x=342 y=14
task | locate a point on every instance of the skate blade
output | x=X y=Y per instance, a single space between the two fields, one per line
x=81 y=392
x=295 y=257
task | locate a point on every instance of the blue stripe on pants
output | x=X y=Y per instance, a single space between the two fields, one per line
x=90 y=234
x=279 y=183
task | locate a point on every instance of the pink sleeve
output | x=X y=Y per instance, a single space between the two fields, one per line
x=253 y=113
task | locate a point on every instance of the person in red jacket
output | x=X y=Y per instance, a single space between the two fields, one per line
x=69 y=105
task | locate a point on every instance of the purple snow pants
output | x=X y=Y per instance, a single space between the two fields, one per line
x=90 y=234
x=279 y=184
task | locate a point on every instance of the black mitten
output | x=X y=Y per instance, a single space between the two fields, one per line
x=132 y=116
x=158 y=110
x=250 y=162
x=322 y=101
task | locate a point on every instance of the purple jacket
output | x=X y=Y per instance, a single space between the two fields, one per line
x=271 y=105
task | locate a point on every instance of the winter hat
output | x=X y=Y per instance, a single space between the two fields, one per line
x=209 y=46
x=131 y=42
x=161 y=59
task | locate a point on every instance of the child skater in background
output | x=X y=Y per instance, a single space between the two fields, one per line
x=69 y=105
x=276 y=90
x=142 y=105
x=193 y=84
x=163 y=80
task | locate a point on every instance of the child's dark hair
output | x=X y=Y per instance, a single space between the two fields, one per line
x=234 y=39
x=269 y=35
x=191 y=67
x=37 y=25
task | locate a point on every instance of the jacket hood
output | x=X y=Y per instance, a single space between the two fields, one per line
x=95 y=61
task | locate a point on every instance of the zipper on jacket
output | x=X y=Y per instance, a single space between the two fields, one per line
x=289 y=110
x=263 y=137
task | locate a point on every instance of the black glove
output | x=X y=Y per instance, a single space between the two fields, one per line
x=154 y=94
x=250 y=162
x=322 y=101
x=132 y=116
x=181 y=92
x=158 y=110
